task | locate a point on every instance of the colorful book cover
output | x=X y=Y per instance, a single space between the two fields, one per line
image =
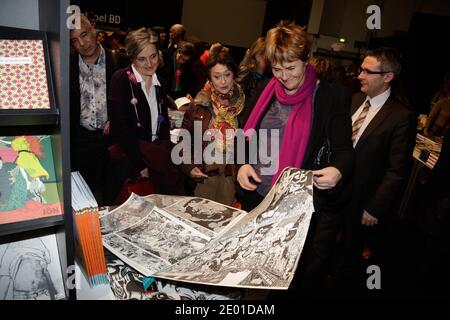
x=23 y=76
x=28 y=188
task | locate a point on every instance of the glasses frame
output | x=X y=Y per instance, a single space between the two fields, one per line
x=367 y=71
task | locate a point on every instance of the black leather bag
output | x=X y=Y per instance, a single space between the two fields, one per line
x=323 y=155
x=323 y=158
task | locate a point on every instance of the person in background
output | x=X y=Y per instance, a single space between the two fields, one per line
x=383 y=135
x=163 y=41
x=139 y=119
x=116 y=40
x=102 y=38
x=252 y=70
x=311 y=121
x=438 y=121
x=176 y=35
x=443 y=91
x=432 y=255
x=323 y=68
x=91 y=68
x=216 y=107
x=205 y=46
x=191 y=73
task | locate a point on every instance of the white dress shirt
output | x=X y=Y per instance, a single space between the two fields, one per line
x=375 y=106
x=151 y=98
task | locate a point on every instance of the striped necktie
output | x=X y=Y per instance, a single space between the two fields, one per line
x=358 y=122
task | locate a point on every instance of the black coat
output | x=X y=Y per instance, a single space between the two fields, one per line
x=123 y=120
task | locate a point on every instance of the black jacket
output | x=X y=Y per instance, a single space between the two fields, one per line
x=123 y=120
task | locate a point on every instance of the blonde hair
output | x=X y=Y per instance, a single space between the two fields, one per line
x=258 y=47
x=287 y=42
x=137 y=40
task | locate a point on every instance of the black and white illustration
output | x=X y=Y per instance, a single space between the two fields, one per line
x=213 y=218
x=162 y=201
x=141 y=260
x=155 y=242
x=264 y=251
x=259 y=249
x=127 y=284
x=30 y=270
x=164 y=237
x=130 y=212
x=171 y=290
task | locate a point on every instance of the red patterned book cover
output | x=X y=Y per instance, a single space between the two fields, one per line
x=23 y=76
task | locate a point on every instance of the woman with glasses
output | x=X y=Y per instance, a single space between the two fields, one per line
x=138 y=116
x=383 y=135
x=311 y=121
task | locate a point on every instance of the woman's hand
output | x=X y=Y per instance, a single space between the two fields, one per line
x=326 y=178
x=144 y=173
x=368 y=220
x=197 y=173
x=246 y=172
x=106 y=129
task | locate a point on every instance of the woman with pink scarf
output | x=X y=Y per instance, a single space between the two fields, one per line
x=313 y=128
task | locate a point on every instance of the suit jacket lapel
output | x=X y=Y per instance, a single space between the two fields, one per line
x=376 y=121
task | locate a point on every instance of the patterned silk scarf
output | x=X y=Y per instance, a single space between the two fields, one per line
x=227 y=112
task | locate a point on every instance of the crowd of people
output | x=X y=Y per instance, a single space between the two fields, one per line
x=358 y=145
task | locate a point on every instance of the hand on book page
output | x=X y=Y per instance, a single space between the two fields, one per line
x=180 y=102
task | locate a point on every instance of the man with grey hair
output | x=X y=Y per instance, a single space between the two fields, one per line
x=91 y=68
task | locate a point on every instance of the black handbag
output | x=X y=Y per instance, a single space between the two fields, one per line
x=323 y=156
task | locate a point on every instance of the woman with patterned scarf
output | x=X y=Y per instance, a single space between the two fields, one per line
x=215 y=110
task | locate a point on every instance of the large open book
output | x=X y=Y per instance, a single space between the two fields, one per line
x=200 y=241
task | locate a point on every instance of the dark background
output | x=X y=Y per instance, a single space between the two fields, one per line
x=424 y=54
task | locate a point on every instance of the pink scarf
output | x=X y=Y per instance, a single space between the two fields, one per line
x=298 y=126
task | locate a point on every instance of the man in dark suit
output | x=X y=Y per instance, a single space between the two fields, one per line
x=91 y=68
x=383 y=134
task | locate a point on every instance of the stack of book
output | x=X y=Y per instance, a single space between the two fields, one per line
x=88 y=238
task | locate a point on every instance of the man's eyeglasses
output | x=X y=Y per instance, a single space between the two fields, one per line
x=367 y=71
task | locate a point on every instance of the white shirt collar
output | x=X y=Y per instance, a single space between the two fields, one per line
x=155 y=81
x=379 y=100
